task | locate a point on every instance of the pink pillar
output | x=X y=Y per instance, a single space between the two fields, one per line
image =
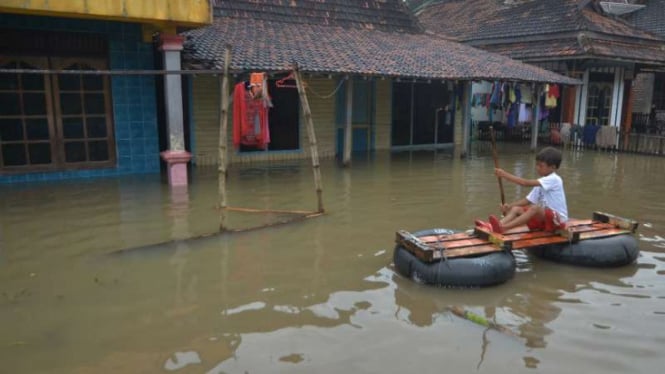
x=176 y=157
x=176 y=162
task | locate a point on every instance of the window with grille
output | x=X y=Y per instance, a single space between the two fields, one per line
x=54 y=122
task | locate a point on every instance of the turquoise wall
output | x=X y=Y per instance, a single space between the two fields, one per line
x=134 y=101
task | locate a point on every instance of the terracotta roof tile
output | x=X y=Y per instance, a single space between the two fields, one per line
x=541 y=29
x=369 y=14
x=572 y=48
x=261 y=43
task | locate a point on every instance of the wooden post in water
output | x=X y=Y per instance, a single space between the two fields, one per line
x=348 y=127
x=313 y=148
x=534 y=120
x=466 y=118
x=223 y=126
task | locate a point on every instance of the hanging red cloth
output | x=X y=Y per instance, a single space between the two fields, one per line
x=250 y=117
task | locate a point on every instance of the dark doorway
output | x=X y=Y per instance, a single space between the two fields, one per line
x=284 y=118
x=423 y=114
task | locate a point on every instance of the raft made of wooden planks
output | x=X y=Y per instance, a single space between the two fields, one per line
x=433 y=248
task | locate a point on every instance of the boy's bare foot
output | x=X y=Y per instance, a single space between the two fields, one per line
x=496 y=224
x=483 y=225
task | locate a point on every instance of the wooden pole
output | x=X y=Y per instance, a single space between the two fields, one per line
x=348 y=127
x=313 y=148
x=466 y=119
x=535 y=121
x=224 y=121
x=495 y=155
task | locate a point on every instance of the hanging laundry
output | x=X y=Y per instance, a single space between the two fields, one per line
x=512 y=114
x=495 y=98
x=551 y=95
x=250 y=115
x=524 y=113
x=518 y=94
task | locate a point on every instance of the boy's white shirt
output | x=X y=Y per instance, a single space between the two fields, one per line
x=550 y=194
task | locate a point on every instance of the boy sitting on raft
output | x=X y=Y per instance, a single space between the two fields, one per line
x=544 y=207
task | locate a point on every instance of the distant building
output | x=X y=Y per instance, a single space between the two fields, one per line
x=371 y=71
x=589 y=40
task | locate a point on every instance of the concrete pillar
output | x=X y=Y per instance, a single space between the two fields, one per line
x=176 y=157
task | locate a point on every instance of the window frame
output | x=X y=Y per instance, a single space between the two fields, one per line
x=55 y=118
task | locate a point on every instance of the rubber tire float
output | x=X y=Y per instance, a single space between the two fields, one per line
x=480 y=271
x=612 y=251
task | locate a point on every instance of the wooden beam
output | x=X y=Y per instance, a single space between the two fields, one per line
x=620 y=222
x=313 y=148
x=223 y=126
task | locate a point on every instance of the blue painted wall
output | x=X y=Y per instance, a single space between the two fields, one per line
x=133 y=97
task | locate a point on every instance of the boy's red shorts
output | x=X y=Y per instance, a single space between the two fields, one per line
x=551 y=222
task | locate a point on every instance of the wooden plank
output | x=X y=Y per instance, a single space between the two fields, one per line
x=528 y=235
x=451 y=249
x=463 y=243
x=492 y=237
x=444 y=237
x=620 y=222
x=604 y=233
x=530 y=243
x=414 y=245
x=578 y=222
x=468 y=251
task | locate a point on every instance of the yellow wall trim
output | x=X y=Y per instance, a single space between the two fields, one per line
x=162 y=12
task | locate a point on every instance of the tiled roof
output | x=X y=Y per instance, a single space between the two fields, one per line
x=541 y=29
x=370 y=14
x=470 y=20
x=537 y=50
x=261 y=43
x=651 y=18
x=565 y=48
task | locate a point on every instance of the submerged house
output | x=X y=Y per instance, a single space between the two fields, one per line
x=80 y=89
x=584 y=39
x=369 y=68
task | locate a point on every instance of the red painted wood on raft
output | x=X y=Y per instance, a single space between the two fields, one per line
x=443 y=238
x=468 y=251
x=604 y=233
x=464 y=243
x=527 y=244
x=483 y=241
x=527 y=235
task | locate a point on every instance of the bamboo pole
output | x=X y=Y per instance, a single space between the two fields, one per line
x=348 y=126
x=224 y=121
x=480 y=320
x=279 y=211
x=309 y=124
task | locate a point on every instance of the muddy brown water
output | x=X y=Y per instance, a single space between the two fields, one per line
x=319 y=296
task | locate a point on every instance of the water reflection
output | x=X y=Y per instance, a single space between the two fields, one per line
x=319 y=295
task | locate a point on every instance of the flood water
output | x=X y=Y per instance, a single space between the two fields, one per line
x=86 y=288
